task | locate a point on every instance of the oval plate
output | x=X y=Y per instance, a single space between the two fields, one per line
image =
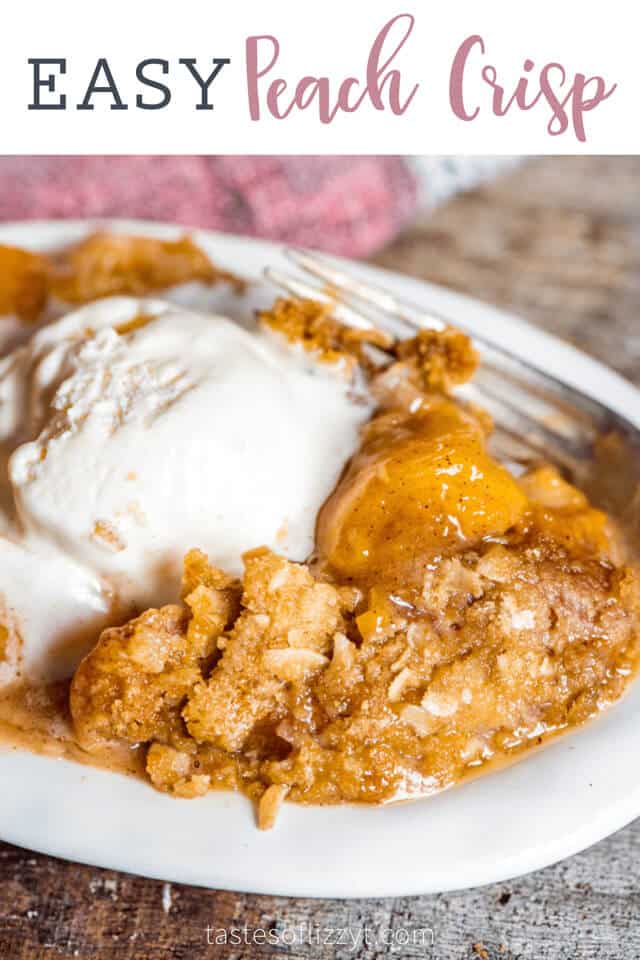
x=559 y=800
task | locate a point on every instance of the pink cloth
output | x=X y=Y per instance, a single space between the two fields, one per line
x=346 y=205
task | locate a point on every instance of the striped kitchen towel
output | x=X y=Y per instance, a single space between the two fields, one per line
x=347 y=205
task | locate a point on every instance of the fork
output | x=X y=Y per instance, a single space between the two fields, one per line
x=537 y=417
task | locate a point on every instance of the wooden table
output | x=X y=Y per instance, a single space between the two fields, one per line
x=558 y=241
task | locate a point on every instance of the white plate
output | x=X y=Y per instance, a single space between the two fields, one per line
x=558 y=801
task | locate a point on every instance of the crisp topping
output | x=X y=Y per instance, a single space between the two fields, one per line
x=436 y=360
x=105 y=534
x=106 y=264
x=312 y=324
x=284 y=695
x=270 y=803
x=439 y=359
x=102 y=265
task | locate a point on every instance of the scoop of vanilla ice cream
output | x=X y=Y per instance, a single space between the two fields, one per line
x=135 y=430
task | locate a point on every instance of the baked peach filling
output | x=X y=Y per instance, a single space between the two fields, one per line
x=24 y=284
x=422 y=485
x=452 y=616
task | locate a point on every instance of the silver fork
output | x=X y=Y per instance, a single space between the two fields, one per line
x=537 y=417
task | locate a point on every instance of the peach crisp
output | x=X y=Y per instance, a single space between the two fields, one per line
x=102 y=265
x=452 y=615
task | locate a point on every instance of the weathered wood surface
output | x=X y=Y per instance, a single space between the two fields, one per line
x=559 y=242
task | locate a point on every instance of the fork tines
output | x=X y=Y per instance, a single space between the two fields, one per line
x=542 y=415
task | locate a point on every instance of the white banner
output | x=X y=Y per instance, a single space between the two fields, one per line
x=339 y=76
